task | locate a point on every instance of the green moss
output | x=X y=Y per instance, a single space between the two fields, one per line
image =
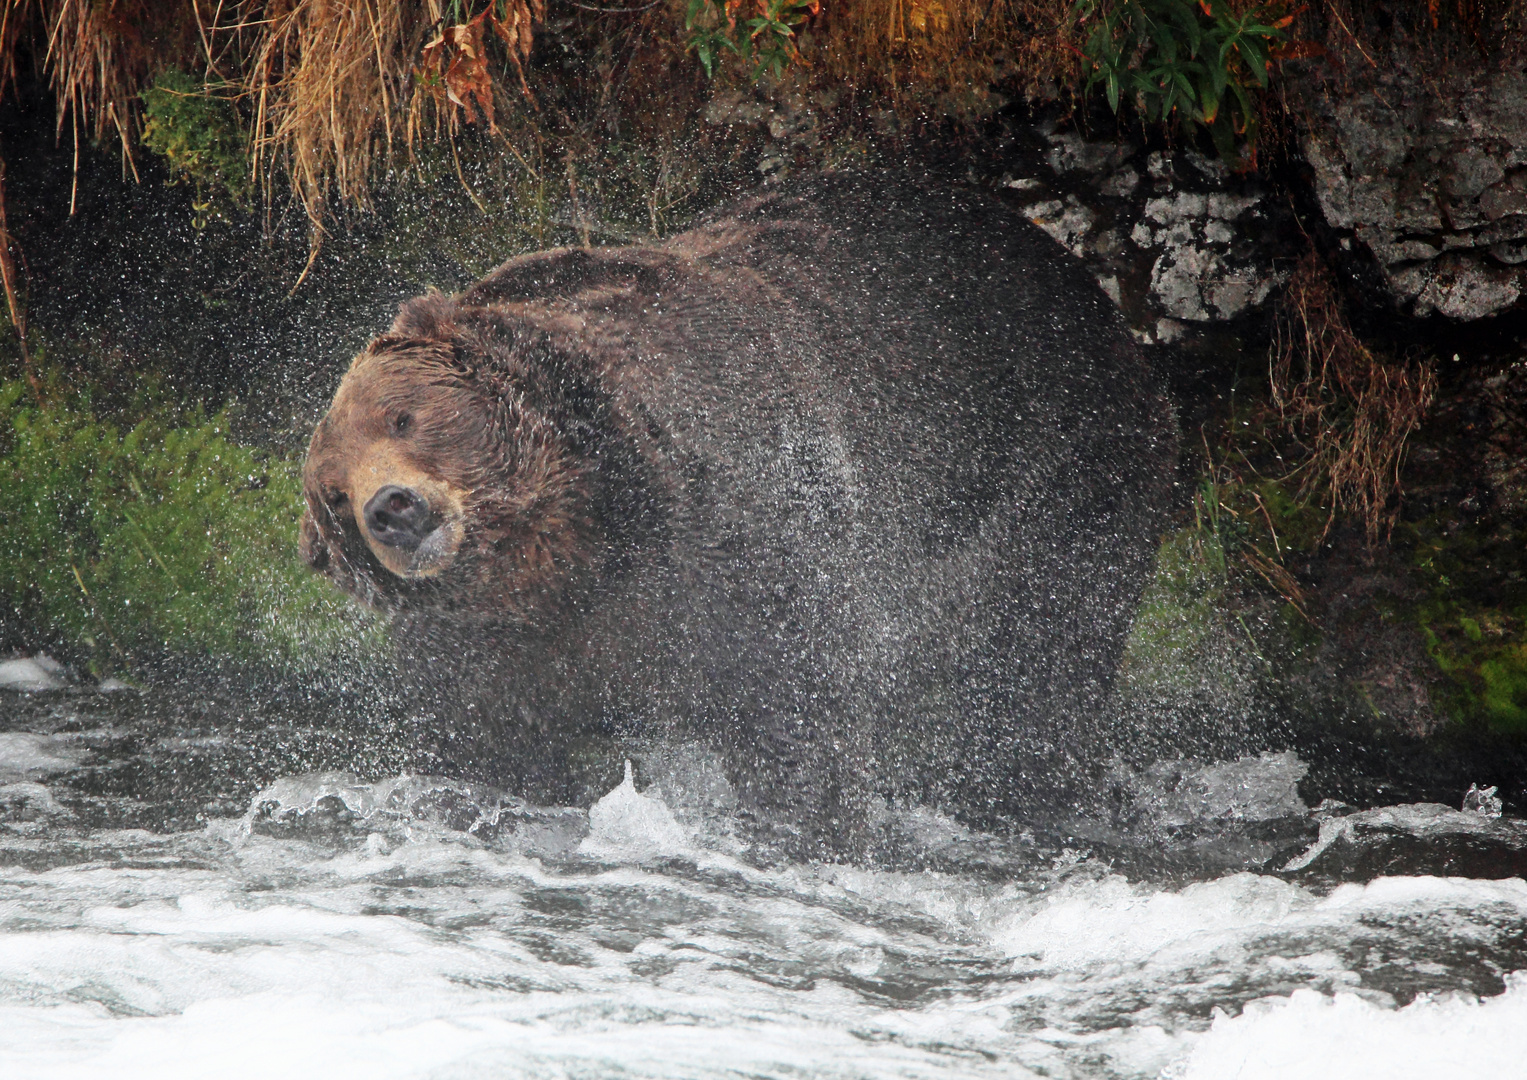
x=199 y=135
x=1179 y=612
x=1473 y=615
x=124 y=541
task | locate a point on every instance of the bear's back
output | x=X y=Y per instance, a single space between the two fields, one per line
x=911 y=463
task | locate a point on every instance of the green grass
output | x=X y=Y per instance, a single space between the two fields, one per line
x=127 y=541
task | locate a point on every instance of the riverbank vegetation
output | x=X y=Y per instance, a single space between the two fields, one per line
x=320 y=98
x=153 y=532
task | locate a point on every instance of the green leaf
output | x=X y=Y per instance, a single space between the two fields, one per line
x=1256 y=59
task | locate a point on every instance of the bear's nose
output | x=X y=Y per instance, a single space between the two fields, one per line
x=398 y=517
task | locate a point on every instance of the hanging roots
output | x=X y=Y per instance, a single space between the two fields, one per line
x=1351 y=410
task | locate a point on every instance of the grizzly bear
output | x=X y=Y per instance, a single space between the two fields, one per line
x=859 y=481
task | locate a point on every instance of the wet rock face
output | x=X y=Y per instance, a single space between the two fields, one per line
x=1430 y=178
x=1174 y=239
x=1206 y=265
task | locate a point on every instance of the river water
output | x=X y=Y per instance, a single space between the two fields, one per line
x=185 y=892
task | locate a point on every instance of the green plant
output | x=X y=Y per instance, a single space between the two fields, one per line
x=198 y=135
x=126 y=541
x=1178 y=59
x=766 y=41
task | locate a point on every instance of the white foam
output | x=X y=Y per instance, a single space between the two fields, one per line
x=1079 y=923
x=233 y=954
x=192 y=976
x=1313 y=1036
x=30 y=674
x=27 y=756
x=1086 y=922
x=30 y=798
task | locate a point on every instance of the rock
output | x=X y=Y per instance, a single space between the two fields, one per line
x=1465 y=288
x=1175 y=240
x=1198 y=226
x=1119 y=185
x=1069 y=152
x=31 y=674
x=1428 y=175
x=1414 y=839
x=1068 y=222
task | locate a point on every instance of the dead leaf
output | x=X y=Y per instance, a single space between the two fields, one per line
x=928 y=17
x=467 y=81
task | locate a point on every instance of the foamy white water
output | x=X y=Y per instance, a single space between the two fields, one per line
x=639 y=951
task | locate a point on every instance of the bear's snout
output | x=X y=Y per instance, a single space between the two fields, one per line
x=399 y=517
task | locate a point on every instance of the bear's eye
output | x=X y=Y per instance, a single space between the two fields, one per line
x=402 y=423
x=335 y=498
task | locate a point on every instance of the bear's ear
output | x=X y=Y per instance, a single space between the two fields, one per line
x=431 y=317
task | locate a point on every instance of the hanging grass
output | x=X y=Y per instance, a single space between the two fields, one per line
x=1349 y=410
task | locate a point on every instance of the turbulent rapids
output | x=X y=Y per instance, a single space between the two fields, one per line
x=413 y=927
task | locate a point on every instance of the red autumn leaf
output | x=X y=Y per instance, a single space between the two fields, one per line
x=467 y=82
x=515 y=27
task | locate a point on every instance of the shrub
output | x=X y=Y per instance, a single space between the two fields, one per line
x=125 y=542
x=198 y=134
x=766 y=41
x=1201 y=62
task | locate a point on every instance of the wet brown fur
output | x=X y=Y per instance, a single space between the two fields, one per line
x=479 y=439
x=859 y=482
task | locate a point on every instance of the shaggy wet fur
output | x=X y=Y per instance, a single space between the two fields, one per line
x=860 y=482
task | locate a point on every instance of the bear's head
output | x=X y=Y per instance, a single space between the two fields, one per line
x=448 y=473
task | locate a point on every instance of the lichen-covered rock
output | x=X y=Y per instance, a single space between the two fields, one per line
x=1205 y=266
x=1174 y=239
x=1429 y=177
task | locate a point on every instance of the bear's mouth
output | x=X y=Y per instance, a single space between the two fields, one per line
x=435 y=552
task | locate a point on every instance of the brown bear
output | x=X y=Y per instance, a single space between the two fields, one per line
x=859 y=480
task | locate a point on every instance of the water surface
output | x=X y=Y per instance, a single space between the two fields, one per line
x=330 y=927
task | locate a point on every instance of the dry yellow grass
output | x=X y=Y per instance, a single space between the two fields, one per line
x=1353 y=411
x=925 y=46
x=322 y=81
x=332 y=90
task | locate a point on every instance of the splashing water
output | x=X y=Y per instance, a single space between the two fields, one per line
x=416 y=927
